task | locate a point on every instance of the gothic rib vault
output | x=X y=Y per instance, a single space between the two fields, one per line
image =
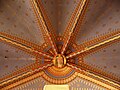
x=74 y=42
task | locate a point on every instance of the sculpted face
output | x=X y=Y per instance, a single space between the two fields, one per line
x=59 y=60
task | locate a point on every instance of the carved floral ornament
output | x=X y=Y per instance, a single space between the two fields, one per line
x=59 y=60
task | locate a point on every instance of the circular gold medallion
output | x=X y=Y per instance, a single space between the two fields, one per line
x=59 y=61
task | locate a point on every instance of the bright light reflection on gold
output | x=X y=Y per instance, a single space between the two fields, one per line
x=56 y=87
x=59 y=60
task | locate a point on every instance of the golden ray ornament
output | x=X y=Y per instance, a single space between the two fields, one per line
x=60 y=60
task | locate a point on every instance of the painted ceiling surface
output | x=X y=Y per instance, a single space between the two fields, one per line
x=73 y=42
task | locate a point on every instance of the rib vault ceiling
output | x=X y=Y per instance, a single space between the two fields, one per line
x=83 y=34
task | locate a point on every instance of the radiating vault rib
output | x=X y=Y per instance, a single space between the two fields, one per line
x=42 y=24
x=79 y=22
x=73 y=21
x=101 y=44
x=20 y=79
x=20 y=44
x=20 y=71
x=92 y=71
x=46 y=18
